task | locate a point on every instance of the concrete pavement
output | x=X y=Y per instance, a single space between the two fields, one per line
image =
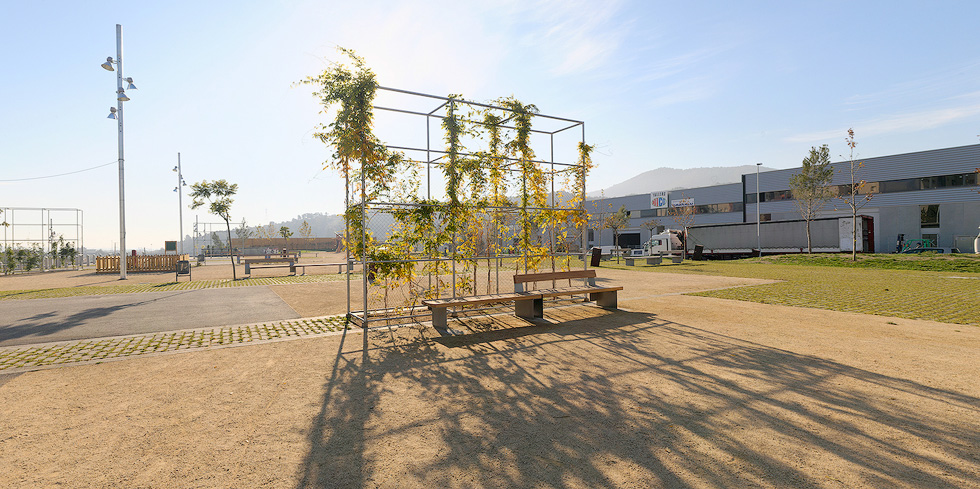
x=73 y=318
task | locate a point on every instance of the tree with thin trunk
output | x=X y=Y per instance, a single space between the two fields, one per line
x=684 y=217
x=270 y=232
x=285 y=233
x=305 y=230
x=617 y=221
x=651 y=225
x=243 y=232
x=810 y=187
x=858 y=194
x=216 y=242
x=218 y=193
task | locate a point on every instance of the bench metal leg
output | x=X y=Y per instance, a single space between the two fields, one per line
x=529 y=308
x=605 y=299
x=439 y=317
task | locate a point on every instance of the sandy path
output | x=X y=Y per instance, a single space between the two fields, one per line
x=676 y=391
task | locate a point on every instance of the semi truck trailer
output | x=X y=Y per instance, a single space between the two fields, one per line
x=739 y=240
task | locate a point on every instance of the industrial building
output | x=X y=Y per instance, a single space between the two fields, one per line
x=931 y=195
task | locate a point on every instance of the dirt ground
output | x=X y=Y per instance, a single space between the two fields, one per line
x=670 y=391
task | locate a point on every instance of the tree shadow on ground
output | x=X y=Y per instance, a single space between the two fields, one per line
x=46 y=324
x=593 y=398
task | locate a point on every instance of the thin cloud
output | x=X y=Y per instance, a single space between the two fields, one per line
x=688 y=90
x=899 y=123
x=923 y=89
x=680 y=64
x=580 y=36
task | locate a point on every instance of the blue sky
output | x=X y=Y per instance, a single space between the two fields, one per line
x=675 y=84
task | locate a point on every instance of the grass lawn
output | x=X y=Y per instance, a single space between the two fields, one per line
x=937 y=288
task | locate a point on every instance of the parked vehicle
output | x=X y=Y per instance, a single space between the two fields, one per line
x=737 y=240
x=930 y=250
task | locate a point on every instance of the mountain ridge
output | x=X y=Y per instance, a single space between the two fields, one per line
x=666 y=178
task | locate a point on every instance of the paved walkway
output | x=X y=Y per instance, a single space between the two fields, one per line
x=96 y=316
x=31 y=357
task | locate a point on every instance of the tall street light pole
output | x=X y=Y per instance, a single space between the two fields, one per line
x=180 y=203
x=117 y=113
x=758 y=212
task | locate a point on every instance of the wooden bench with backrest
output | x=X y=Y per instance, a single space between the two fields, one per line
x=604 y=296
x=529 y=304
x=249 y=264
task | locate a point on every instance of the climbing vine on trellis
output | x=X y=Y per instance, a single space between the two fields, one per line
x=477 y=220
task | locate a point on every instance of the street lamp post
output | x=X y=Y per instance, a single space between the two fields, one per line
x=758 y=212
x=180 y=203
x=117 y=113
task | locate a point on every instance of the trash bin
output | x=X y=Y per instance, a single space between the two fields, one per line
x=596 y=256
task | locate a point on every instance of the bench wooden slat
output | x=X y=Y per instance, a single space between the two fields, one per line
x=479 y=299
x=571 y=274
x=575 y=291
x=530 y=304
x=268 y=260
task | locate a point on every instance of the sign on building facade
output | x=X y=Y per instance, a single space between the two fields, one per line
x=658 y=200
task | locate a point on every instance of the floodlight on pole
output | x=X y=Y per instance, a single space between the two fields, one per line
x=180 y=204
x=117 y=114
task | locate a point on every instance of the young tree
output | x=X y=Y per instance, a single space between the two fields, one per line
x=260 y=232
x=651 y=225
x=617 y=221
x=857 y=195
x=216 y=241
x=270 y=232
x=67 y=253
x=810 y=186
x=243 y=232
x=285 y=233
x=684 y=217
x=305 y=230
x=218 y=193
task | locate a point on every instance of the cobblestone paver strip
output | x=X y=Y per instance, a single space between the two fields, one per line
x=137 y=288
x=49 y=354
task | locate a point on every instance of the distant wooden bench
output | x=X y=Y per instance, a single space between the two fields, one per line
x=274 y=259
x=291 y=266
x=250 y=264
x=651 y=260
x=340 y=266
x=529 y=304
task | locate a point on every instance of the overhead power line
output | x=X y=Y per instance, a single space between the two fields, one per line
x=58 y=175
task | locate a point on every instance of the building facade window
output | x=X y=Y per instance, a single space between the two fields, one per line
x=929 y=216
x=884 y=187
x=698 y=209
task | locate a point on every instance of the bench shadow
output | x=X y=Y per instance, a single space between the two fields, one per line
x=613 y=398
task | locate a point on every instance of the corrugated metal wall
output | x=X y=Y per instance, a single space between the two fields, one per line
x=894 y=213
